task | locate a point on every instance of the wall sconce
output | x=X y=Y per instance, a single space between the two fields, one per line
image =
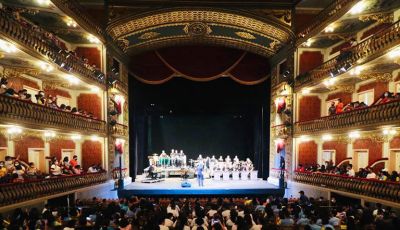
x=49 y=135
x=94 y=138
x=388 y=132
x=76 y=137
x=14 y=132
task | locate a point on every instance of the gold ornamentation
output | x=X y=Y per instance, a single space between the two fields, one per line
x=149 y=35
x=122 y=29
x=15 y=71
x=123 y=43
x=376 y=137
x=245 y=35
x=346 y=88
x=197 y=29
x=380 y=77
x=380 y=17
x=344 y=139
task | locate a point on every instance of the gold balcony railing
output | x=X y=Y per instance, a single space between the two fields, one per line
x=385 y=190
x=382 y=114
x=13 y=110
x=119 y=130
x=331 y=13
x=12 y=193
x=365 y=51
x=36 y=42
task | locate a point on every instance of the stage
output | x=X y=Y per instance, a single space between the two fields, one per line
x=226 y=188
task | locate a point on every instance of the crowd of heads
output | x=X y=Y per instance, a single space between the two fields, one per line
x=348 y=170
x=338 y=107
x=40 y=98
x=206 y=213
x=13 y=169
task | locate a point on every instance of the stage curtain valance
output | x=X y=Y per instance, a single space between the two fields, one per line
x=200 y=63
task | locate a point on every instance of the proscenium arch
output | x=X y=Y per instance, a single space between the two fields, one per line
x=178 y=26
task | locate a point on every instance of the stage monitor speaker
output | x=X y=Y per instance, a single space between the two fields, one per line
x=186 y=184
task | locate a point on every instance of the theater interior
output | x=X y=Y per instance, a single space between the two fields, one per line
x=191 y=114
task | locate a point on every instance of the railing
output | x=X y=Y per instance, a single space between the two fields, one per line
x=387 y=113
x=385 y=190
x=366 y=50
x=22 y=191
x=35 y=115
x=119 y=130
x=37 y=41
x=333 y=12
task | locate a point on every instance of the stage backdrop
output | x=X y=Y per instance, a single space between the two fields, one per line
x=219 y=134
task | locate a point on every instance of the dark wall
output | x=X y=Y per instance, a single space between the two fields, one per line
x=216 y=117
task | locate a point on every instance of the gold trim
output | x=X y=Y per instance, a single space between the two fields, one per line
x=204 y=16
x=149 y=35
x=380 y=77
x=245 y=35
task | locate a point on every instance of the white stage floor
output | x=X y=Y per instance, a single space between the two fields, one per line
x=172 y=186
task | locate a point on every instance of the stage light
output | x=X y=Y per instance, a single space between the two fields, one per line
x=7 y=47
x=394 y=53
x=356 y=71
x=329 y=29
x=14 y=130
x=308 y=43
x=304 y=138
x=93 y=39
x=358 y=8
x=70 y=22
x=94 y=89
x=48 y=134
x=305 y=91
x=76 y=137
x=330 y=82
x=45 y=66
x=326 y=137
x=43 y=2
x=73 y=80
x=354 y=134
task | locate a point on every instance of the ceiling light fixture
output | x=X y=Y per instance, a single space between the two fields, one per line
x=326 y=137
x=73 y=80
x=7 y=47
x=358 y=8
x=93 y=39
x=70 y=22
x=354 y=134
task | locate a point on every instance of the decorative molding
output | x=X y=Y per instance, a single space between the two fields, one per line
x=346 y=88
x=379 y=17
x=344 y=139
x=378 y=138
x=380 y=77
x=149 y=35
x=18 y=71
x=245 y=35
x=197 y=29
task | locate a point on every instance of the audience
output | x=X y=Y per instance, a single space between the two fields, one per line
x=41 y=99
x=265 y=213
x=16 y=170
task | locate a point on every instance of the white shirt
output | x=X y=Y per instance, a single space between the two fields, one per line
x=226 y=213
x=351 y=172
x=212 y=212
x=174 y=212
x=371 y=175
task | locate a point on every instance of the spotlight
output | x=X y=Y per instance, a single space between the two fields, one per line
x=286 y=74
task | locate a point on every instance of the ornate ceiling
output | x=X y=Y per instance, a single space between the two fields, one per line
x=200 y=26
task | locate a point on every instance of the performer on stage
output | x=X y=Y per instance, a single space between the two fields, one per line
x=164 y=159
x=173 y=156
x=199 y=172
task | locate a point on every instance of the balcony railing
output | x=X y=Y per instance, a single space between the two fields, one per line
x=34 y=115
x=22 y=191
x=382 y=114
x=331 y=13
x=365 y=51
x=385 y=190
x=36 y=41
x=119 y=130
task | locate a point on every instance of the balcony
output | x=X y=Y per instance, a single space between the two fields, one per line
x=121 y=87
x=384 y=190
x=13 y=110
x=18 y=192
x=364 y=52
x=119 y=130
x=330 y=14
x=369 y=117
x=36 y=43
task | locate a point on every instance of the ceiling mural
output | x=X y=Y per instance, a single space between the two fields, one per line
x=136 y=34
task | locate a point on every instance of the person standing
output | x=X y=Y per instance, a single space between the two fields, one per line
x=339 y=106
x=200 y=176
